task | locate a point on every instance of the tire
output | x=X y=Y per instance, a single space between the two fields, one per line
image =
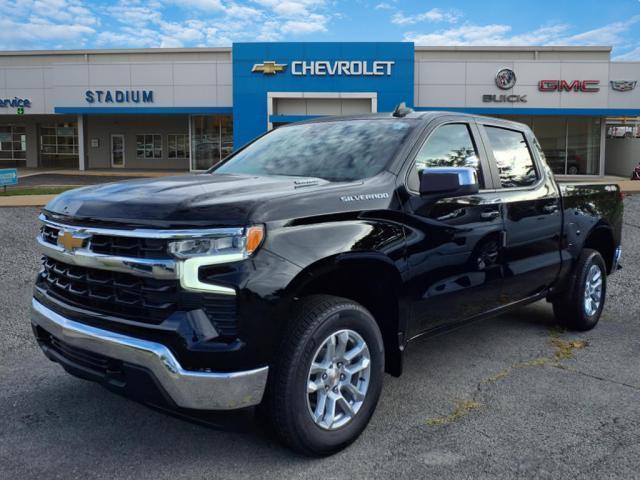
x=571 y=309
x=290 y=405
x=573 y=170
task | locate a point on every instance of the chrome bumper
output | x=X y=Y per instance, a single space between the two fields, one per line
x=616 y=260
x=188 y=389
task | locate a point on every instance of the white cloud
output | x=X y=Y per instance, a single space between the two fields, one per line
x=292 y=8
x=45 y=24
x=315 y=23
x=433 y=15
x=500 y=34
x=33 y=24
x=611 y=34
x=204 y=5
x=64 y=11
x=384 y=6
x=630 y=56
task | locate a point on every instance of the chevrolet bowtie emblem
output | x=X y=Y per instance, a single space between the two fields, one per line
x=69 y=241
x=269 y=67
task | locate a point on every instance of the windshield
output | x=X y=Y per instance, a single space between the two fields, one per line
x=335 y=151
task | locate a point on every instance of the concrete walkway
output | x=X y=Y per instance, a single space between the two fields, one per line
x=25 y=200
x=28 y=172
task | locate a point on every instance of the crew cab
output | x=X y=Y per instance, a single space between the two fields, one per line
x=295 y=273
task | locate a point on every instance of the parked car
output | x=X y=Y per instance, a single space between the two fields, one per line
x=555 y=159
x=299 y=270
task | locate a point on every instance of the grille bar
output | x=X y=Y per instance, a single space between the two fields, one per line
x=120 y=294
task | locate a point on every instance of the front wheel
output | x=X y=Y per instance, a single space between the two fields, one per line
x=580 y=307
x=328 y=375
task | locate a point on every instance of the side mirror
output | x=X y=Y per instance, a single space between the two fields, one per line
x=448 y=181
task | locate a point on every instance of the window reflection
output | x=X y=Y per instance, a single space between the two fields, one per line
x=515 y=164
x=449 y=146
x=336 y=151
x=571 y=144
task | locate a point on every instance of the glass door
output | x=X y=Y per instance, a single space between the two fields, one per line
x=117 y=151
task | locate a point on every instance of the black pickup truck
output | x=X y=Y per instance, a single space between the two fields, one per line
x=296 y=272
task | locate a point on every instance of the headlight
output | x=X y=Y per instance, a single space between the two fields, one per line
x=230 y=246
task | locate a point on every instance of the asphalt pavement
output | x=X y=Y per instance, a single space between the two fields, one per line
x=510 y=397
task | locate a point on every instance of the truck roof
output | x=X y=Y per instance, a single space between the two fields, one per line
x=422 y=116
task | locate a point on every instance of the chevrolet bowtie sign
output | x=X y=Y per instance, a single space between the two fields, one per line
x=349 y=68
x=269 y=67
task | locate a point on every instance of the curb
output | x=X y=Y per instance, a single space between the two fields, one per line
x=26 y=200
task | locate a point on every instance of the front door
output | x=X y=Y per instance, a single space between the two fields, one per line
x=117 y=151
x=453 y=245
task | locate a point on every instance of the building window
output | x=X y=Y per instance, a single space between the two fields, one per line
x=148 y=145
x=178 y=146
x=570 y=144
x=583 y=145
x=59 y=145
x=13 y=146
x=212 y=140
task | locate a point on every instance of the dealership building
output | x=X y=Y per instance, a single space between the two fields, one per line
x=186 y=109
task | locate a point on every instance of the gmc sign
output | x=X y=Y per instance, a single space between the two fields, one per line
x=564 y=86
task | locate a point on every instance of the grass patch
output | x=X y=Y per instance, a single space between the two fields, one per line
x=34 y=191
x=462 y=408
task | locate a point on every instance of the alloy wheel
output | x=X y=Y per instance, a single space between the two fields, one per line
x=338 y=379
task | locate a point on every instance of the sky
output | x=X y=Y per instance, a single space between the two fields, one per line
x=73 y=24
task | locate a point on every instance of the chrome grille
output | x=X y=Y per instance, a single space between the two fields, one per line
x=112 y=293
x=132 y=247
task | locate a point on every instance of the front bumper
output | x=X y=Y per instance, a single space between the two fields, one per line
x=201 y=390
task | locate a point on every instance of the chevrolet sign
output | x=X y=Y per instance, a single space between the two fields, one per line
x=351 y=68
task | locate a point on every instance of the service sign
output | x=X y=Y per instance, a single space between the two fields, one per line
x=8 y=176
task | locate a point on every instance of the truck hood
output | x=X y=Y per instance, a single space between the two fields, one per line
x=196 y=200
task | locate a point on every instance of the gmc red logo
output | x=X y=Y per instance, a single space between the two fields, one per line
x=564 y=86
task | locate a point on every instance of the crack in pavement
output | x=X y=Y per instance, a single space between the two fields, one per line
x=597 y=377
x=563 y=350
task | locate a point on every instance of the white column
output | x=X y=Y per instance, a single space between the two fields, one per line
x=81 y=142
x=190 y=144
x=603 y=146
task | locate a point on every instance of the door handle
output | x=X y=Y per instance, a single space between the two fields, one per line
x=490 y=215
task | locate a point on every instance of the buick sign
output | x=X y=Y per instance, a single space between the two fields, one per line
x=505 y=79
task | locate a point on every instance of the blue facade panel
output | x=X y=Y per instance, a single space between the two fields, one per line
x=250 y=89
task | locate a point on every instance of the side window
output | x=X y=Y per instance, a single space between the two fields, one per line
x=450 y=145
x=514 y=160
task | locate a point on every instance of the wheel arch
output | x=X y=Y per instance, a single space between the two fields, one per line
x=369 y=278
x=601 y=239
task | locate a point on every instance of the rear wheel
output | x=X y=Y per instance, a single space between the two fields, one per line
x=580 y=307
x=328 y=376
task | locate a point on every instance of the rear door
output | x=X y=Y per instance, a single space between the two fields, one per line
x=530 y=254
x=453 y=244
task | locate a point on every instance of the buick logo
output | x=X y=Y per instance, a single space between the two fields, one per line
x=505 y=78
